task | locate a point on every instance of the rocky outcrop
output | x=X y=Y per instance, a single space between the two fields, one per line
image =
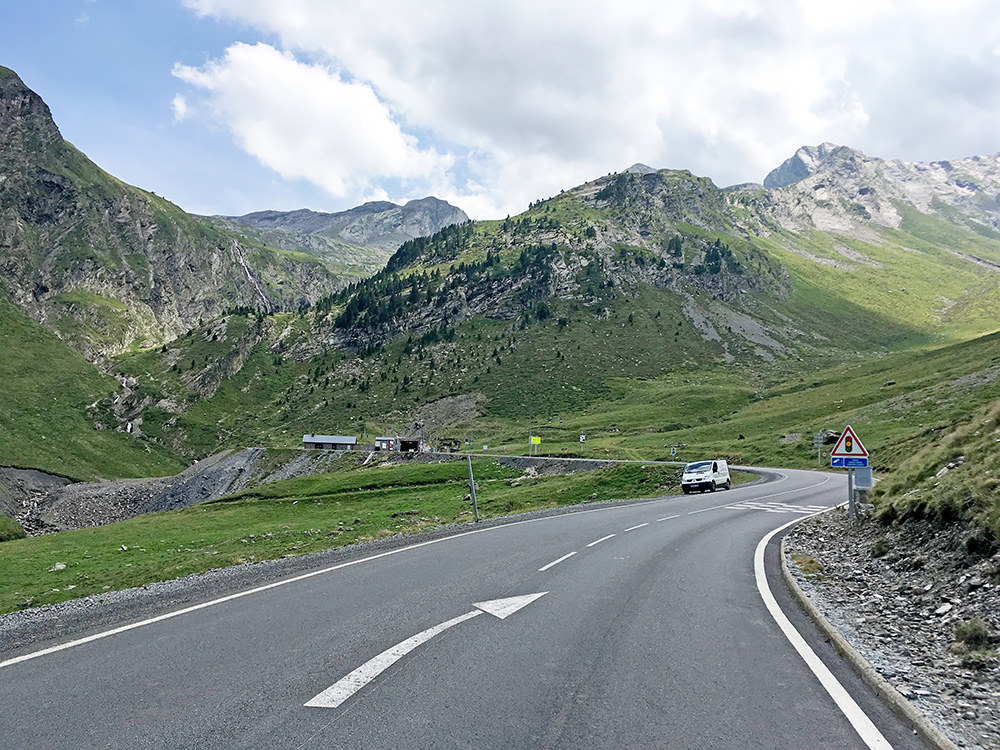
x=805 y=162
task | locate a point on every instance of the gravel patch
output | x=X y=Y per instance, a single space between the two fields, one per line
x=897 y=594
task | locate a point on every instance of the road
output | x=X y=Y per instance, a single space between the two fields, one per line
x=640 y=625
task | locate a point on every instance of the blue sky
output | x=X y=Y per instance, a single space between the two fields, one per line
x=104 y=69
x=232 y=106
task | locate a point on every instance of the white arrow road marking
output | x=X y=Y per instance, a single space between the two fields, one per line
x=347 y=686
x=504 y=608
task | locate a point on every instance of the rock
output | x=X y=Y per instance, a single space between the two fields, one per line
x=57 y=566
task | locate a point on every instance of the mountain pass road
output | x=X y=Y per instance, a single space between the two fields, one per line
x=620 y=626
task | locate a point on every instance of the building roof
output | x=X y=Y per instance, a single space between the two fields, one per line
x=349 y=439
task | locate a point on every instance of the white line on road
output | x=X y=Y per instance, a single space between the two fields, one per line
x=668 y=518
x=602 y=539
x=347 y=686
x=556 y=562
x=765 y=497
x=858 y=718
x=633 y=528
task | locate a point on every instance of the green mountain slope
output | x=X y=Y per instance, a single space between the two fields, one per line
x=49 y=416
x=108 y=266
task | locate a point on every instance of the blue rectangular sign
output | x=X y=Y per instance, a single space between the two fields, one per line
x=861 y=462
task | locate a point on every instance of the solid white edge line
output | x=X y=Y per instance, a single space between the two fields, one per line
x=556 y=562
x=858 y=718
x=602 y=539
x=633 y=528
x=347 y=686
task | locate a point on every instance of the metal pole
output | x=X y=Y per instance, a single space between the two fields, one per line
x=472 y=489
x=850 y=493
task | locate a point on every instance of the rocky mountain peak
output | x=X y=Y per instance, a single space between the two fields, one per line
x=806 y=161
x=639 y=168
x=26 y=124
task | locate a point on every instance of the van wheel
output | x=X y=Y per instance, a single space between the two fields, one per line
x=729 y=484
x=714 y=487
x=687 y=490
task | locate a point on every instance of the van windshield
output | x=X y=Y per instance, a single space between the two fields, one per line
x=699 y=466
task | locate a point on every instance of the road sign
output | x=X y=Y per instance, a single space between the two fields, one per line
x=849 y=446
x=536 y=440
x=583 y=438
x=863 y=479
x=856 y=462
x=673 y=451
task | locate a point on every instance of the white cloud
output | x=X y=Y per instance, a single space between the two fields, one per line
x=305 y=122
x=534 y=97
x=180 y=107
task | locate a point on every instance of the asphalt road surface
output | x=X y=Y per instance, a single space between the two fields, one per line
x=636 y=626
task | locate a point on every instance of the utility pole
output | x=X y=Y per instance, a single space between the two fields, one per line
x=472 y=489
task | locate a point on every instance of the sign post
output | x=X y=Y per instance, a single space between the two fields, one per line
x=849 y=453
x=472 y=489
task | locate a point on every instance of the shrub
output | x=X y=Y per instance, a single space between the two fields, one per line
x=879 y=548
x=974 y=634
x=10 y=529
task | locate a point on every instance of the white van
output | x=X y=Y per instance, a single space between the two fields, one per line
x=705 y=475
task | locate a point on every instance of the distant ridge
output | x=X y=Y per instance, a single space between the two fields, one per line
x=378 y=224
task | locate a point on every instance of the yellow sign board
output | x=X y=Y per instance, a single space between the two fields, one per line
x=536 y=440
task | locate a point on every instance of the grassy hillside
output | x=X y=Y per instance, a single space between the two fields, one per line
x=46 y=389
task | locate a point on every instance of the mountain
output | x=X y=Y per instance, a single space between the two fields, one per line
x=829 y=187
x=356 y=242
x=108 y=266
x=601 y=301
x=648 y=304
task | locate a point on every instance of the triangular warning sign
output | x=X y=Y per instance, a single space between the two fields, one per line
x=849 y=446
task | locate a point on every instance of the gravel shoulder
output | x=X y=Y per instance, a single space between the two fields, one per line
x=897 y=594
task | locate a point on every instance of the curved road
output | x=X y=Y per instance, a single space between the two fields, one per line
x=626 y=626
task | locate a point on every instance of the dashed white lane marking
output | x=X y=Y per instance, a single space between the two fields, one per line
x=602 y=539
x=858 y=718
x=633 y=528
x=668 y=518
x=556 y=562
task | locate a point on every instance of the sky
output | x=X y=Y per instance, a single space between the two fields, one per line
x=233 y=106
